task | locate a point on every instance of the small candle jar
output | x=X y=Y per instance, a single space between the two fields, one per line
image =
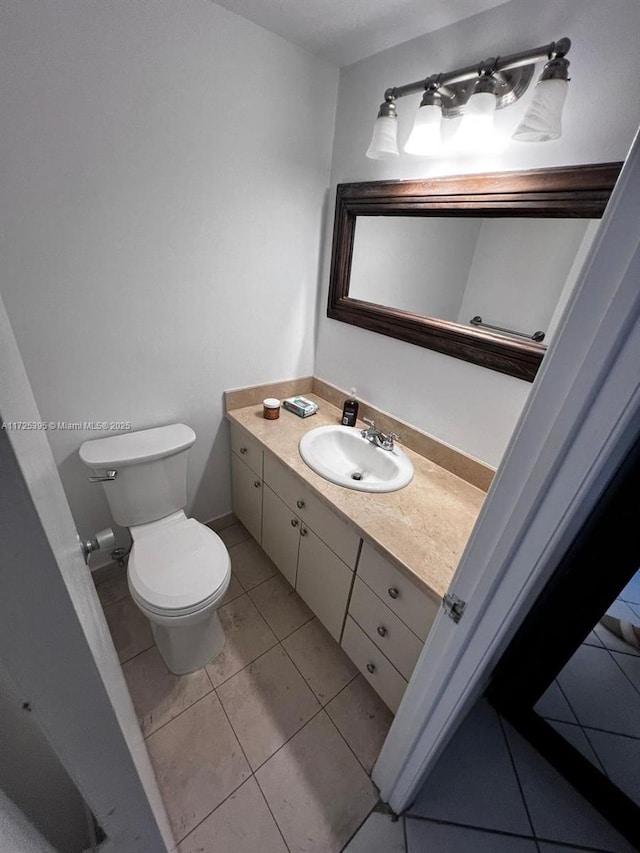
x=271 y=408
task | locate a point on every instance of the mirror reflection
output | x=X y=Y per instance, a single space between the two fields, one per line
x=515 y=273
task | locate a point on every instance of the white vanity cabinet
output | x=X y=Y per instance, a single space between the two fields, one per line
x=379 y=615
x=311 y=545
x=246 y=481
x=388 y=621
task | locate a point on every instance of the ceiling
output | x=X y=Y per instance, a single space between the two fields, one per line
x=344 y=31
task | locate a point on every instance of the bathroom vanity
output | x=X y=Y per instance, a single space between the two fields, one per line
x=373 y=567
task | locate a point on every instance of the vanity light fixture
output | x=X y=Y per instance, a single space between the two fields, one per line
x=476 y=92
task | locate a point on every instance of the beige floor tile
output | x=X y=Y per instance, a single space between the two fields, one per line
x=267 y=702
x=130 y=630
x=198 y=762
x=158 y=695
x=247 y=636
x=316 y=790
x=250 y=564
x=363 y=720
x=242 y=824
x=234 y=534
x=114 y=589
x=323 y=664
x=234 y=590
x=281 y=606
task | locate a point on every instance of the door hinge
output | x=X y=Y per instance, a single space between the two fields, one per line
x=454 y=607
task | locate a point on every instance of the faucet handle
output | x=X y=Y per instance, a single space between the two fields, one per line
x=370 y=422
x=389 y=439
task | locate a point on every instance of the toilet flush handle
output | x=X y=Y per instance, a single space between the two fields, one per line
x=103 y=478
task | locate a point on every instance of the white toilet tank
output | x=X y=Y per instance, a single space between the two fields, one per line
x=151 y=471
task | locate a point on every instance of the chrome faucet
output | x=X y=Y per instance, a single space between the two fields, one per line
x=373 y=434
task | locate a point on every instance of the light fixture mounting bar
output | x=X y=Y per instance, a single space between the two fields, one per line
x=520 y=63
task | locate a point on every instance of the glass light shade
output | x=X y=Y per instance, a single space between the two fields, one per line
x=542 y=121
x=384 y=142
x=425 y=137
x=476 y=129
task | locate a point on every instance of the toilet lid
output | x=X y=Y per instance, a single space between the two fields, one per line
x=178 y=567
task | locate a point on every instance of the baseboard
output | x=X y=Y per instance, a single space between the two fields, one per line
x=108 y=572
x=222 y=521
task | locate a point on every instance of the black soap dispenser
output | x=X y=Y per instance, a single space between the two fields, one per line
x=350 y=410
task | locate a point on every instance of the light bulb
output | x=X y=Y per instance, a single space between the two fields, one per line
x=476 y=131
x=424 y=138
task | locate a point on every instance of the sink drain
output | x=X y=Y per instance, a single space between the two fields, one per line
x=356 y=475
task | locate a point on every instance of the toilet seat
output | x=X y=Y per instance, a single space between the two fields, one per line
x=178 y=569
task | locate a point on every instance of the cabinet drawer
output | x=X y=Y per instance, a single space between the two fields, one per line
x=338 y=535
x=409 y=603
x=247 y=448
x=381 y=625
x=324 y=582
x=385 y=679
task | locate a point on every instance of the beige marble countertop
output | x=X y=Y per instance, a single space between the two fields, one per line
x=422 y=528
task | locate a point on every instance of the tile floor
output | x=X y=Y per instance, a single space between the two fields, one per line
x=269 y=747
x=595 y=701
x=491 y=792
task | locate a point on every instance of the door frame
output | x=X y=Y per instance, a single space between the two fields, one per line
x=581 y=419
x=54 y=641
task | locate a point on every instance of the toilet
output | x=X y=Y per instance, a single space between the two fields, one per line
x=178 y=570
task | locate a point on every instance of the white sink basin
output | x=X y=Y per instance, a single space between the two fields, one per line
x=341 y=455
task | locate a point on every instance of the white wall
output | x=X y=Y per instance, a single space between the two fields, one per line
x=519 y=270
x=466 y=405
x=406 y=262
x=165 y=166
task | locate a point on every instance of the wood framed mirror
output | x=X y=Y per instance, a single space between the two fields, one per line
x=496 y=256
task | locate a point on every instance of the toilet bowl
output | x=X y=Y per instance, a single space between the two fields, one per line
x=179 y=570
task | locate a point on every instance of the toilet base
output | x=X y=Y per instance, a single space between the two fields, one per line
x=186 y=648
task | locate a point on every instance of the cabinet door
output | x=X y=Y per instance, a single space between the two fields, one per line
x=247 y=497
x=280 y=534
x=327 y=524
x=324 y=581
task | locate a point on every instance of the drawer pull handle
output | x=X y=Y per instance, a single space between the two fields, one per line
x=294 y=522
x=300 y=504
x=382 y=631
x=303 y=531
x=243 y=450
x=393 y=592
x=371 y=668
x=256 y=483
